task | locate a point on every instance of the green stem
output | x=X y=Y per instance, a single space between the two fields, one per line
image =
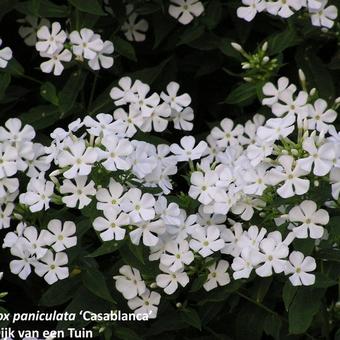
x=31 y=78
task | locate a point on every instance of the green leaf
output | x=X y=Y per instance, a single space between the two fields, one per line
x=42 y=8
x=68 y=95
x=5 y=80
x=7 y=6
x=95 y=282
x=41 y=116
x=126 y=334
x=191 y=317
x=108 y=247
x=288 y=294
x=242 y=94
x=212 y=14
x=124 y=48
x=138 y=251
x=15 y=68
x=190 y=34
x=272 y=326
x=60 y=292
x=4 y=323
x=305 y=305
x=88 y=6
x=279 y=42
x=49 y=93
x=323 y=281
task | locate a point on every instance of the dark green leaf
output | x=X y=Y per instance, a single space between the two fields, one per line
x=49 y=93
x=212 y=14
x=242 y=94
x=41 y=116
x=95 y=281
x=5 y=79
x=288 y=294
x=191 y=34
x=42 y=8
x=191 y=317
x=88 y=6
x=107 y=248
x=124 y=48
x=60 y=292
x=279 y=42
x=305 y=305
x=272 y=326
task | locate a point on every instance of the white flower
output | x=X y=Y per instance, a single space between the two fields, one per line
x=188 y=151
x=185 y=10
x=168 y=213
x=110 y=197
x=323 y=16
x=274 y=257
x=146 y=105
x=291 y=105
x=206 y=241
x=55 y=62
x=319 y=117
x=79 y=192
x=256 y=179
x=170 y=280
x=283 y=8
x=8 y=160
x=39 y=163
x=274 y=93
x=143 y=158
x=218 y=275
x=121 y=95
x=334 y=178
x=5 y=215
x=110 y=226
x=60 y=236
x=157 y=120
x=128 y=122
x=80 y=159
x=6 y=55
x=245 y=263
x=139 y=206
x=228 y=135
x=311 y=218
x=232 y=237
x=22 y=267
x=146 y=304
x=8 y=186
x=102 y=58
x=203 y=186
x=134 y=30
x=177 y=103
x=251 y=8
x=129 y=283
x=115 y=155
x=86 y=43
x=52 y=268
x=299 y=266
x=35 y=240
x=14 y=133
x=148 y=231
x=50 y=42
x=293 y=184
x=322 y=157
x=186 y=226
x=276 y=128
x=38 y=195
x=182 y=119
x=101 y=126
x=176 y=255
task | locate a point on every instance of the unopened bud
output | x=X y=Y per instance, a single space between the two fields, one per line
x=265 y=46
x=265 y=59
x=316 y=183
x=237 y=47
x=179 y=305
x=262 y=214
x=153 y=285
x=246 y=66
x=302 y=76
x=284 y=152
x=312 y=91
x=248 y=79
x=337 y=100
x=294 y=152
x=337 y=305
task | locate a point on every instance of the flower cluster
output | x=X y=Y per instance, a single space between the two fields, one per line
x=53 y=43
x=238 y=177
x=185 y=10
x=321 y=14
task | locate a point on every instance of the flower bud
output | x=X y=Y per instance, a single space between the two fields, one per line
x=248 y=79
x=179 y=305
x=294 y=152
x=316 y=183
x=153 y=285
x=237 y=47
x=337 y=100
x=302 y=76
x=265 y=46
x=312 y=91
x=265 y=59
